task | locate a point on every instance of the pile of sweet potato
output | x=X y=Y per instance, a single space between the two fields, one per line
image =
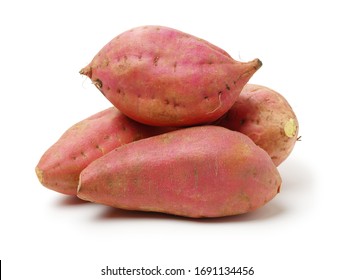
x=187 y=134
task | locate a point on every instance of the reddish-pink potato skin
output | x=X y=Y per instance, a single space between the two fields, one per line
x=164 y=77
x=262 y=114
x=202 y=171
x=60 y=166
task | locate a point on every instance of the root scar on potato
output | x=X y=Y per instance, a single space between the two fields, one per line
x=290 y=128
x=39 y=173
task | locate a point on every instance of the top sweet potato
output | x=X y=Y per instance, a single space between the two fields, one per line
x=161 y=76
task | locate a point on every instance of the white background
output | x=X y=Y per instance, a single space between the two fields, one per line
x=304 y=233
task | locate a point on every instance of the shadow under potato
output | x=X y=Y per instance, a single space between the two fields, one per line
x=70 y=200
x=268 y=211
x=296 y=176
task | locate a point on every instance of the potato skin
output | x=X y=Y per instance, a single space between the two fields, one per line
x=164 y=77
x=60 y=166
x=267 y=118
x=201 y=171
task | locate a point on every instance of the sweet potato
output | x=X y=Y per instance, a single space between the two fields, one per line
x=267 y=118
x=200 y=171
x=60 y=166
x=161 y=76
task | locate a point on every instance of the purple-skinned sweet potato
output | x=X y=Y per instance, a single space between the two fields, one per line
x=267 y=118
x=60 y=166
x=200 y=171
x=164 y=77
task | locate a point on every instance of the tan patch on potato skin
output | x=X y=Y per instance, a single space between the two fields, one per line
x=39 y=173
x=290 y=128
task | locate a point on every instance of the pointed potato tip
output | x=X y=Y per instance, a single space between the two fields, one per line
x=79 y=189
x=83 y=191
x=87 y=71
x=79 y=185
x=257 y=63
